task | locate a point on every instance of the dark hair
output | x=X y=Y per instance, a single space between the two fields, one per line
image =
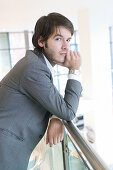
x=46 y=25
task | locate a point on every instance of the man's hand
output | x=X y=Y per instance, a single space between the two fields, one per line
x=72 y=60
x=55 y=132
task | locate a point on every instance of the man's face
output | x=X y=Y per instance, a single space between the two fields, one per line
x=57 y=45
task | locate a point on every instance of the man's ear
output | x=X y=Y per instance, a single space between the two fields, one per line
x=41 y=43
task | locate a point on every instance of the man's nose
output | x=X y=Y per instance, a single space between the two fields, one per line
x=65 y=45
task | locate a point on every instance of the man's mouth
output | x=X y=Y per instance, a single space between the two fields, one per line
x=63 y=54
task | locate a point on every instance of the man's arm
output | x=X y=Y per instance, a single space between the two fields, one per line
x=36 y=83
x=55 y=132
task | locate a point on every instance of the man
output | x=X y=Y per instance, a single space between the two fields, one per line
x=28 y=97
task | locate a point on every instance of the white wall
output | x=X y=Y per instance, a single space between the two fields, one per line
x=21 y=14
x=101 y=19
x=97 y=90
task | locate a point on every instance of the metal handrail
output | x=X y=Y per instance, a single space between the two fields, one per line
x=94 y=159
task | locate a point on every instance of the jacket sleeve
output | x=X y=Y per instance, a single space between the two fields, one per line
x=37 y=84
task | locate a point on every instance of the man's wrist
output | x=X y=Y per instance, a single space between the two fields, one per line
x=75 y=72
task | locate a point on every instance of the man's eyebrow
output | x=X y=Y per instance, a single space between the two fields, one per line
x=61 y=36
x=58 y=35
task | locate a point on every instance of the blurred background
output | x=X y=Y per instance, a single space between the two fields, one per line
x=93 y=38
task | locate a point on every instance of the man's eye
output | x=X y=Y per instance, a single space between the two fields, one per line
x=68 y=40
x=58 y=39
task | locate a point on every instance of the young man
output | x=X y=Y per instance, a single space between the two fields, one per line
x=28 y=97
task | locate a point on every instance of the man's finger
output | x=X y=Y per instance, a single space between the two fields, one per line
x=55 y=141
x=51 y=142
x=58 y=139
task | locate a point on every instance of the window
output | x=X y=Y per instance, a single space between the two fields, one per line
x=12 y=48
x=111 y=51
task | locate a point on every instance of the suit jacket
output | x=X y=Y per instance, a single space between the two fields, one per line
x=27 y=98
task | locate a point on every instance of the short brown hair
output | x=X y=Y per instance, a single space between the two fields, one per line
x=46 y=25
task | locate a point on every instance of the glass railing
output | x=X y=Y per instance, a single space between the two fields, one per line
x=81 y=155
x=45 y=157
x=74 y=153
x=73 y=156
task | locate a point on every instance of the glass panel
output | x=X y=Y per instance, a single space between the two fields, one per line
x=30 y=34
x=16 y=40
x=4 y=63
x=56 y=82
x=60 y=78
x=74 y=158
x=62 y=81
x=60 y=70
x=3 y=41
x=73 y=40
x=112 y=79
x=45 y=157
x=112 y=34
x=111 y=53
x=16 y=55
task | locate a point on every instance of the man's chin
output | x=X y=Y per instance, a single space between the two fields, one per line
x=58 y=62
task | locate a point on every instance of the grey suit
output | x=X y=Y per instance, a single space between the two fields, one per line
x=27 y=97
